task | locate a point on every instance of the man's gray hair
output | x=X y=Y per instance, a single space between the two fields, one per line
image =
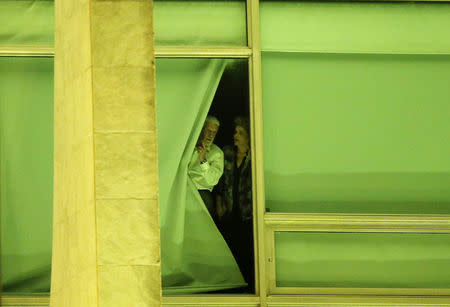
x=213 y=120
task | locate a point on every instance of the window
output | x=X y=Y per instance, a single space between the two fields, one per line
x=26 y=148
x=348 y=105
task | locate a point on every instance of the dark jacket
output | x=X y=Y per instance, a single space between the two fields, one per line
x=243 y=209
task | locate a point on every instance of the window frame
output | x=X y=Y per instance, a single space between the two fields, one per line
x=266 y=223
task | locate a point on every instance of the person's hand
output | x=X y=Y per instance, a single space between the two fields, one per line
x=201 y=149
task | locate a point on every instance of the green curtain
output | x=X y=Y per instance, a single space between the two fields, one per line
x=356 y=132
x=27 y=22
x=26 y=172
x=366 y=27
x=362 y=260
x=355 y=118
x=195 y=23
x=195 y=257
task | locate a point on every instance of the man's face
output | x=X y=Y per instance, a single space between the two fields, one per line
x=209 y=133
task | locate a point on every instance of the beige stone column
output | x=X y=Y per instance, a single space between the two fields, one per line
x=74 y=261
x=106 y=229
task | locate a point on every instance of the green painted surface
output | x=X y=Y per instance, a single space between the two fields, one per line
x=362 y=260
x=26 y=160
x=200 y=23
x=27 y=23
x=356 y=133
x=370 y=27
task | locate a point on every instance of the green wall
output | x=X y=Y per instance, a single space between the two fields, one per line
x=26 y=160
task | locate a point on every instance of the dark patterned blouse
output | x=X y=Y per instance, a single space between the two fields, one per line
x=235 y=186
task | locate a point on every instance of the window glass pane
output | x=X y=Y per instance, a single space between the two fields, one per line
x=197 y=23
x=355 y=26
x=26 y=186
x=356 y=133
x=362 y=260
x=352 y=123
x=26 y=23
x=204 y=248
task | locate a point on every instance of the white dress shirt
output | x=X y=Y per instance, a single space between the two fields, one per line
x=206 y=175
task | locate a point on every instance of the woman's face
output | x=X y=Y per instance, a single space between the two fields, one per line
x=240 y=136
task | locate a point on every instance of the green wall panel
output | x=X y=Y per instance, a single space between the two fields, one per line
x=401 y=27
x=26 y=170
x=200 y=23
x=362 y=260
x=24 y=22
x=356 y=133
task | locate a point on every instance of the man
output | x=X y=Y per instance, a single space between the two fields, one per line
x=206 y=165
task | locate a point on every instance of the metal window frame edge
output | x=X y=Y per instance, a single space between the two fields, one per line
x=17 y=300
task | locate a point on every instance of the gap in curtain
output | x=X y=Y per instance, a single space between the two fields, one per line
x=195 y=256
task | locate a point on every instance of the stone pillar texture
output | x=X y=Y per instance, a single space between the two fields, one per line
x=106 y=218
